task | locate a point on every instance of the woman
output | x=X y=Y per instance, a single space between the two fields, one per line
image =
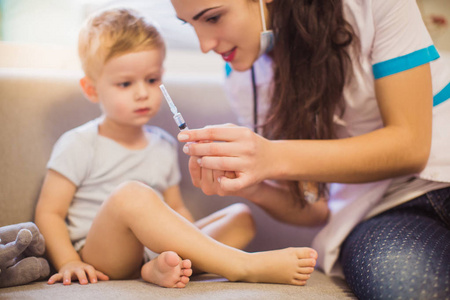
x=345 y=100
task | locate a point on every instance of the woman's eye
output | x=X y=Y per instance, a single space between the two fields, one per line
x=213 y=19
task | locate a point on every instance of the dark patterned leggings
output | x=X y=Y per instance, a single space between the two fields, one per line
x=403 y=253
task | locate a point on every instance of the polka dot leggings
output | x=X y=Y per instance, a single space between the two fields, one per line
x=403 y=253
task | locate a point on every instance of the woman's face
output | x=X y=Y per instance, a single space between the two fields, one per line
x=231 y=28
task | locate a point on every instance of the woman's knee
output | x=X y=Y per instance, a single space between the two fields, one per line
x=393 y=275
x=386 y=258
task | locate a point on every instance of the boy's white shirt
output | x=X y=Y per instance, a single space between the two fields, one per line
x=97 y=165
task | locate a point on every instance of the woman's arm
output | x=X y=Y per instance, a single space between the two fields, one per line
x=280 y=205
x=274 y=199
x=401 y=147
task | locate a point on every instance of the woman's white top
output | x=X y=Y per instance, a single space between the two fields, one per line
x=393 y=38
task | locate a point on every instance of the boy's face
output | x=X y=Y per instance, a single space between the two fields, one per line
x=128 y=87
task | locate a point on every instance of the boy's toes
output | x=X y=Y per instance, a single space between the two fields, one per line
x=184 y=279
x=302 y=277
x=183 y=282
x=186 y=264
x=186 y=272
x=306 y=270
x=299 y=282
x=305 y=253
x=307 y=263
x=180 y=285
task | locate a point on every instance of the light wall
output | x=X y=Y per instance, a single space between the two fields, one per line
x=58 y=21
x=45 y=32
x=50 y=24
x=439 y=8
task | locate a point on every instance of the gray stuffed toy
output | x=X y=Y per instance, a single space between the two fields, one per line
x=20 y=248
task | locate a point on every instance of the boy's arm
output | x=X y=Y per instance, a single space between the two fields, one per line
x=173 y=198
x=51 y=210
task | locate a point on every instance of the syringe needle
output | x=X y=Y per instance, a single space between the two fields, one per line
x=176 y=115
x=172 y=106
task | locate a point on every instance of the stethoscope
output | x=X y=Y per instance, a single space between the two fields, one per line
x=255 y=101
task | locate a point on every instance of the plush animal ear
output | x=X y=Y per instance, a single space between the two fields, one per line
x=12 y=250
x=89 y=89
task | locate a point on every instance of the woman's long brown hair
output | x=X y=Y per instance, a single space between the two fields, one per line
x=311 y=67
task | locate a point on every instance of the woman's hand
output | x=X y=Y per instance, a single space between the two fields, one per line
x=208 y=180
x=226 y=159
x=77 y=270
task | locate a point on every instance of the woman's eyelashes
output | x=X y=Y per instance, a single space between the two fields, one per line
x=213 y=19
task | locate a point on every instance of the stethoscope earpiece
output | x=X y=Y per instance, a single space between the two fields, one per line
x=266 y=39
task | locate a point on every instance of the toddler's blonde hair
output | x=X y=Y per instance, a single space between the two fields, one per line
x=114 y=32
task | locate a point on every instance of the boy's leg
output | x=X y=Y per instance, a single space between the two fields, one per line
x=232 y=225
x=112 y=248
x=134 y=215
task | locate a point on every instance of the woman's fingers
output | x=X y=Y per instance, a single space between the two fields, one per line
x=209 y=183
x=222 y=163
x=237 y=154
x=232 y=185
x=224 y=133
x=195 y=170
x=212 y=149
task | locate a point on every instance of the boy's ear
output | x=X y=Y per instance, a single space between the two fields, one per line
x=89 y=89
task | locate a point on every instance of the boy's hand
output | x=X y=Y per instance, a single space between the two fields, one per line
x=77 y=270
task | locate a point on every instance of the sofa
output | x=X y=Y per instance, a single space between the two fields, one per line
x=38 y=102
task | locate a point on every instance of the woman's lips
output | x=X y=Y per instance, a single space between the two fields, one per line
x=229 y=56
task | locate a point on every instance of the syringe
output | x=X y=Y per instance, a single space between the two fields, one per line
x=176 y=115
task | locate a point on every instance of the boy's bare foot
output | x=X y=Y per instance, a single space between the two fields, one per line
x=287 y=266
x=167 y=270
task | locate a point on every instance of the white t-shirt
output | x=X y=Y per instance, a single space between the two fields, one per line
x=393 y=38
x=97 y=165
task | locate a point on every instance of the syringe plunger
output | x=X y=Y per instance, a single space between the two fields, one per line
x=180 y=121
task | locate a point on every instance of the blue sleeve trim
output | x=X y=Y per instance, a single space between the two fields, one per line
x=442 y=96
x=405 y=62
x=228 y=69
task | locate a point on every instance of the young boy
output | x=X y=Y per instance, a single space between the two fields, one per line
x=111 y=191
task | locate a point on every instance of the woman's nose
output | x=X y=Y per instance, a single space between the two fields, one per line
x=207 y=42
